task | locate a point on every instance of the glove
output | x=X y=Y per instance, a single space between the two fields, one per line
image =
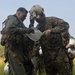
x=30 y=30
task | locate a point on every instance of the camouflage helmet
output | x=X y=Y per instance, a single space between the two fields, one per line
x=36 y=10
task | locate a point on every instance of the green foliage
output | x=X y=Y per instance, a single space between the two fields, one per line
x=1 y=60
x=42 y=72
x=1 y=51
x=74 y=70
x=2 y=64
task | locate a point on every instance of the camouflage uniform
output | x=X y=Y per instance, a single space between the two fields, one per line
x=53 y=45
x=54 y=51
x=17 y=46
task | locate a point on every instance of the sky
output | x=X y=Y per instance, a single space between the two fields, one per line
x=64 y=9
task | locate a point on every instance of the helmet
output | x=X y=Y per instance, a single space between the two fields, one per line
x=36 y=10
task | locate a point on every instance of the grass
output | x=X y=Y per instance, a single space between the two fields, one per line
x=1 y=60
x=1 y=50
x=1 y=65
x=74 y=67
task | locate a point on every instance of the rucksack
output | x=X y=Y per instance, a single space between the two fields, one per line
x=3 y=33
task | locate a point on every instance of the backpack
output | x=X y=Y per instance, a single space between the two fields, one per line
x=3 y=32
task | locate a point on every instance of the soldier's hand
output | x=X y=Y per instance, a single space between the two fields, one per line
x=30 y=30
x=68 y=46
x=47 y=33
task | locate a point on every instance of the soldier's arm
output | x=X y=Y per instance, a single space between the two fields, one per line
x=62 y=27
x=12 y=26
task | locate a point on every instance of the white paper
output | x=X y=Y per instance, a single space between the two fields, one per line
x=36 y=35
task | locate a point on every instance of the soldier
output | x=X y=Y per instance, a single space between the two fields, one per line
x=53 y=46
x=71 y=50
x=17 y=44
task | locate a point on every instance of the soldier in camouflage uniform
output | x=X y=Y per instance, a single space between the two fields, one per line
x=17 y=44
x=53 y=46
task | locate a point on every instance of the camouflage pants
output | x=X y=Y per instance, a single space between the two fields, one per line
x=15 y=68
x=56 y=62
x=17 y=64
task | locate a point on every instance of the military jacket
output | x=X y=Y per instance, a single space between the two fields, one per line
x=57 y=27
x=13 y=22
